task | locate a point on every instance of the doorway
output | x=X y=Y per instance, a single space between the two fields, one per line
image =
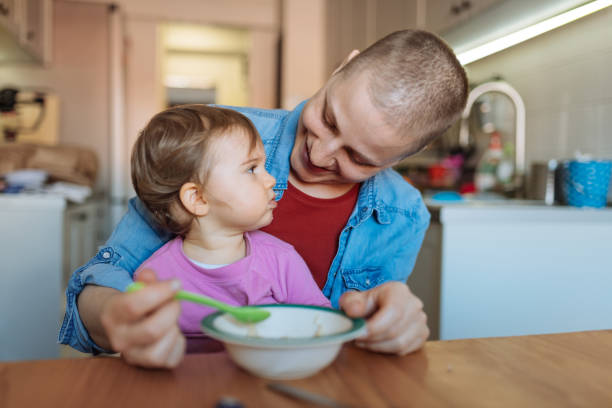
x=205 y=64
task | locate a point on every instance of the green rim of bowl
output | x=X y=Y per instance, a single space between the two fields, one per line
x=356 y=330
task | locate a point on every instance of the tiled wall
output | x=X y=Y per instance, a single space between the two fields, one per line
x=565 y=79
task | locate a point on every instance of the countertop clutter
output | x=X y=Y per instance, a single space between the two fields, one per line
x=67 y=171
x=569 y=370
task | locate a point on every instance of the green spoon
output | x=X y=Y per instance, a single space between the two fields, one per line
x=245 y=314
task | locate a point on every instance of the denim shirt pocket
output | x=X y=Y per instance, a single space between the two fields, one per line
x=364 y=278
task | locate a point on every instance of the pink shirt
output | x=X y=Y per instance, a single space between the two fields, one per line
x=271 y=272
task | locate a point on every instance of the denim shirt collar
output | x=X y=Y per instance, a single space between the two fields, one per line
x=279 y=157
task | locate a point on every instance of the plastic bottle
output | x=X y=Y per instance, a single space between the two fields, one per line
x=505 y=169
x=486 y=172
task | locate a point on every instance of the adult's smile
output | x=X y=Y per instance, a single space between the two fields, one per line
x=309 y=164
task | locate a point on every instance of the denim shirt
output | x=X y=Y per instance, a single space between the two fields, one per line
x=379 y=243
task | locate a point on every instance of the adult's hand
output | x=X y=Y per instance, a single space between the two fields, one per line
x=395 y=319
x=143 y=325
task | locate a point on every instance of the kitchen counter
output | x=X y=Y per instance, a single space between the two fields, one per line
x=510 y=268
x=31 y=254
x=31 y=201
x=509 y=210
x=569 y=370
x=44 y=239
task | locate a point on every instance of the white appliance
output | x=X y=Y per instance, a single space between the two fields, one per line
x=31 y=273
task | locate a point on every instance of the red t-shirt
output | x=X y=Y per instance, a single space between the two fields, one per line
x=313 y=226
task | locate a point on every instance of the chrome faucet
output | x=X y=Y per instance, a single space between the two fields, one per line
x=519 y=111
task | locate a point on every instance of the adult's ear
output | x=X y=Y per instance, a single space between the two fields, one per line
x=193 y=200
x=351 y=55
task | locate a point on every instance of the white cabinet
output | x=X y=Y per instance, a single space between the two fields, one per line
x=42 y=242
x=31 y=272
x=442 y=15
x=36 y=34
x=356 y=24
x=84 y=232
x=394 y=15
x=425 y=278
x=9 y=16
x=347 y=30
x=25 y=30
x=504 y=270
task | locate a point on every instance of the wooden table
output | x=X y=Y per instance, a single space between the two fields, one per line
x=561 y=370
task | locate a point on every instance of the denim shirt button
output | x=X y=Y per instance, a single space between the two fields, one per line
x=367 y=281
x=106 y=255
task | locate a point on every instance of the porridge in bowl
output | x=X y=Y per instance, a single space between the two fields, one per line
x=296 y=341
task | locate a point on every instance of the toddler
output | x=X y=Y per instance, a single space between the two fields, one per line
x=200 y=171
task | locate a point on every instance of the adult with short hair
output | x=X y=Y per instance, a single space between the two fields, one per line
x=354 y=220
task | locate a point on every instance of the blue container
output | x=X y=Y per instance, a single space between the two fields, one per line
x=586 y=183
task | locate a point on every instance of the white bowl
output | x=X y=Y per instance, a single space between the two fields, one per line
x=296 y=341
x=29 y=178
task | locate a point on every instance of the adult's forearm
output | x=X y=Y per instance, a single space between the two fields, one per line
x=91 y=303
